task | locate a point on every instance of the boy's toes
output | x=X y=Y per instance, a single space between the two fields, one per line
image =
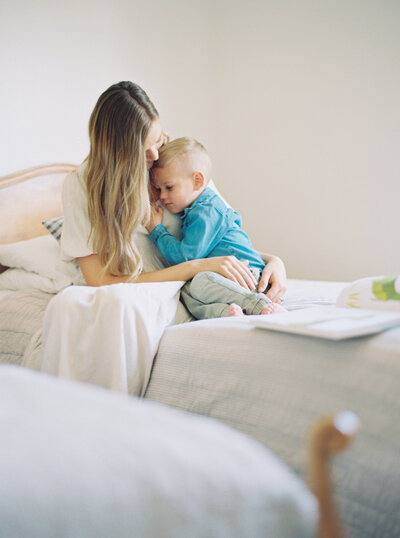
x=235 y=310
x=273 y=308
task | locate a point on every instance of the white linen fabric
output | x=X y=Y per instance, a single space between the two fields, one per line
x=108 y=335
x=4 y=293
x=80 y=461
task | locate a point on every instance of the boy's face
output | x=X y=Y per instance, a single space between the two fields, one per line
x=176 y=187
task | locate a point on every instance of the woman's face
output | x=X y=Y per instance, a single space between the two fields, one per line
x=153 y=143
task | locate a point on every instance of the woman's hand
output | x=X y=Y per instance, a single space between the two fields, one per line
x=155 y=217
x=230 y=267
x=274 y=273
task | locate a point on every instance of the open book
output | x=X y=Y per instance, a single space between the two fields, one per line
x=366 y=306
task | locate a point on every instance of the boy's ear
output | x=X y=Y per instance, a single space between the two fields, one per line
x=199 y=180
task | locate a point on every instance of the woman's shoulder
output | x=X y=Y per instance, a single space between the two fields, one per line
x=76 y=230
x=76 y=178
x=74 y=195
x=74 y=185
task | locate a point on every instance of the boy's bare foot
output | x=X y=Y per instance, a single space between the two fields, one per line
x=235 y=310
x=273 y=308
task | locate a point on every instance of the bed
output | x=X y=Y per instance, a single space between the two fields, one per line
x=271 y=386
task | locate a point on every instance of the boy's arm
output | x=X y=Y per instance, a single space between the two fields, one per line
x=202 y=226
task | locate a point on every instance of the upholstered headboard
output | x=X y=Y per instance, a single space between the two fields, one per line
x=27 y=198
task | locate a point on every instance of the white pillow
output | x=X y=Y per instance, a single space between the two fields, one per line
x=40 y=255
x=18 y=279
x=96 y=463
x=36 y=257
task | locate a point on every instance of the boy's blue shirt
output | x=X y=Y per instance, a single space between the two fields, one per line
x=209 y=228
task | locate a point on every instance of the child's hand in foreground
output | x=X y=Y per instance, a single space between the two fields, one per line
x=155 y=217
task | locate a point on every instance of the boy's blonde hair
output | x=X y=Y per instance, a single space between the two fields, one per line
x=194 y=154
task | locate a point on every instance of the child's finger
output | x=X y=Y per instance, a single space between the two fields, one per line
x=159 y=212
x=154 y=193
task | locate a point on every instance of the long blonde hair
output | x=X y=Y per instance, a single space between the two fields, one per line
x=116 y=175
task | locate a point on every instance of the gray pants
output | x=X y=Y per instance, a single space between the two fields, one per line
x=208 y=295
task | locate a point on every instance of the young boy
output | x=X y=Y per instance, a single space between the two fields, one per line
x=209 y=228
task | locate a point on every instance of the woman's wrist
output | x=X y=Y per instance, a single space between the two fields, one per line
x=268 y=258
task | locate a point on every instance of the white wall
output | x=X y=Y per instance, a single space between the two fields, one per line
x=57 y=57
x=309 y=97
x=298 y=102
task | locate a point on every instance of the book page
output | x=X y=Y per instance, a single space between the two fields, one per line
x=330 y=322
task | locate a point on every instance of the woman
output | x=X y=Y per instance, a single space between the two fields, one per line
x=108 y=335
x=125 y=136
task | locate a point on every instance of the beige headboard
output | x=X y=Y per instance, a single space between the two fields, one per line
x=27 y=198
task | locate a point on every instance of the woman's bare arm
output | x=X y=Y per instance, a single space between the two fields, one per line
x=227 y=266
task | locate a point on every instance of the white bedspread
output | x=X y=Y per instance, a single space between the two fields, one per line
x=107 y=336
x=82 y=462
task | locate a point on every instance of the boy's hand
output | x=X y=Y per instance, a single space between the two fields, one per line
x=155 y=217
x=153 y=193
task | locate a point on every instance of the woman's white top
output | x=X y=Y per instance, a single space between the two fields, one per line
x=76 y=228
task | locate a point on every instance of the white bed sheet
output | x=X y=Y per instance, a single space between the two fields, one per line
x=273 y=386
x=308 y=293
x=4 y=293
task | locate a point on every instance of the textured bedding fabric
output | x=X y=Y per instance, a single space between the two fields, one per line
x=273 y=386
x=22 y=313
x=81 y=461
x=21 y=316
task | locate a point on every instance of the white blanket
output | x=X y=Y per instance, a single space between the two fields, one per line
x=107 y=336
